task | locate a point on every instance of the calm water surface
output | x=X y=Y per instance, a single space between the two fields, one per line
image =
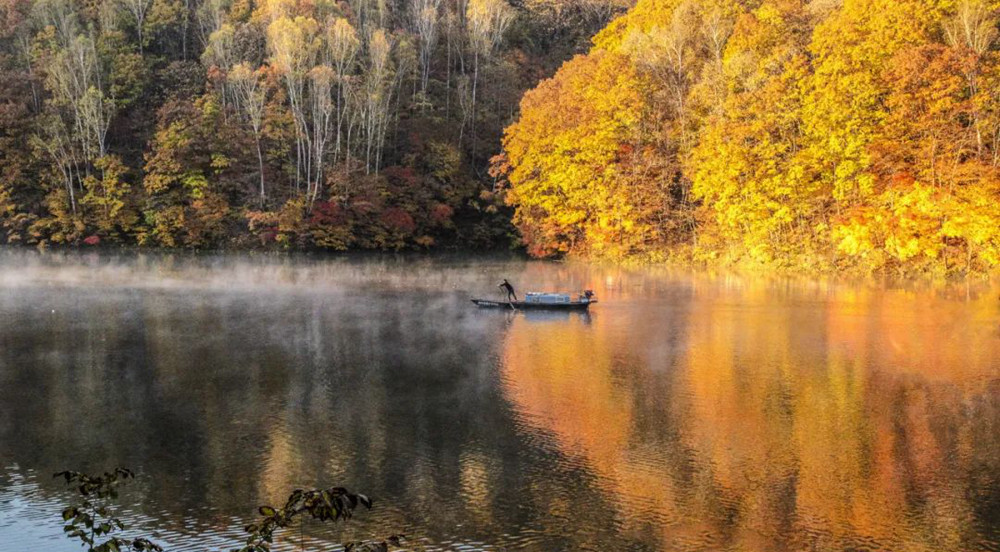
x=685 y=412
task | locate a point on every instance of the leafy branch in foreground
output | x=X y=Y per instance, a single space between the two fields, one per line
x=93 y=518
x=321 y=504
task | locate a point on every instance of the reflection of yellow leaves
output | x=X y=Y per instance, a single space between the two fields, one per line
x=475 y=471
x=841 y=421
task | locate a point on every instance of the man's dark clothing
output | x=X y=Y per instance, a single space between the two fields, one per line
x=505 y=285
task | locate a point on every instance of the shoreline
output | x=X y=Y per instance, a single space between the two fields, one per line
x=673 y=267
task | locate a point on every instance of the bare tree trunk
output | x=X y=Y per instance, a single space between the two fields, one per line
x=475 y=82
x=184 y=29
x=260 y=170
x=447 y=82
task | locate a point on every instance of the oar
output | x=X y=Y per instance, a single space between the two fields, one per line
x=509 y=304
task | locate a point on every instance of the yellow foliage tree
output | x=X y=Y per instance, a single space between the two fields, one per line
x=109 y=200
x=569 y=155
x=843 y=110
x=861 y=134
x=744 y=168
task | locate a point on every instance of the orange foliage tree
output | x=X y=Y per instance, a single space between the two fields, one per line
x=583 y=165
x=860 y=135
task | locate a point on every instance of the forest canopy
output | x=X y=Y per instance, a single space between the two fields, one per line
x=831 y=134
x=286 y=123
x=853 y=134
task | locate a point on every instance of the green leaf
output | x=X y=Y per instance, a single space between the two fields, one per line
x=266 y=511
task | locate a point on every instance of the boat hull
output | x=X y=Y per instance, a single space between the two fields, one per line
x=523 y=305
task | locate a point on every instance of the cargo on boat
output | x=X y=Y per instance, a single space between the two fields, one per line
x=546 y=301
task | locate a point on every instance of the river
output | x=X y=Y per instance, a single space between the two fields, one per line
x=686 y=411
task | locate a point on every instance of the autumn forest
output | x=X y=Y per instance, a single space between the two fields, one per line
x=851 y=135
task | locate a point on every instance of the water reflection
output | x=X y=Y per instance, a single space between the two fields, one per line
x=683 y=413
x=751 y=417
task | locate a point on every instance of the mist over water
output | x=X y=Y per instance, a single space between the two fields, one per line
x=685 y=412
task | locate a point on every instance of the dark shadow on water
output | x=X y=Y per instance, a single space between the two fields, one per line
x=683 y=413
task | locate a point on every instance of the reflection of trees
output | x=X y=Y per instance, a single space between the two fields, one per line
x=225 y=400
x=787 y=418
x=589 y=384
x=691 y=413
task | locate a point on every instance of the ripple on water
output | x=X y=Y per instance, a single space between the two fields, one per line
x=686 y=413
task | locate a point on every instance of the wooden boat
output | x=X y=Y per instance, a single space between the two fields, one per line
x=541 y=301
x=524 y=305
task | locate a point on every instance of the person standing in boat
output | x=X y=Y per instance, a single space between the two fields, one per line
x=505 y=285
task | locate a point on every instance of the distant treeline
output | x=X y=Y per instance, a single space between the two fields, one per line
x=825 y=134
x=288 y=123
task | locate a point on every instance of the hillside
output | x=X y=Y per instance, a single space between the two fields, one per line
x=854 y=135
x=282 y=123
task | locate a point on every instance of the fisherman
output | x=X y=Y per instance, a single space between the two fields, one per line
x=505 y=285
